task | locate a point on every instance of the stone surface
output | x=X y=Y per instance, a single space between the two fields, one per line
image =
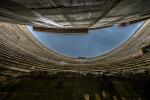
x=21 y=53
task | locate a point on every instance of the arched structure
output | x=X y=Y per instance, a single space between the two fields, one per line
x=20 y=52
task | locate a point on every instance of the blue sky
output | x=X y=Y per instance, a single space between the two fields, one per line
x=95 y=43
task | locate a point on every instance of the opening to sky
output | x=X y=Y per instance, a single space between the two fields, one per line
x=95 y=43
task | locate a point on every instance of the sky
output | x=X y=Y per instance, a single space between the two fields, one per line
x=95 y=43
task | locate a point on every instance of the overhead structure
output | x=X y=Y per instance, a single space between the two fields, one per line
x=21 y=53
x=60 y=14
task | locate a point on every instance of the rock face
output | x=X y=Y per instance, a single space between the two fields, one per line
x=71 y=86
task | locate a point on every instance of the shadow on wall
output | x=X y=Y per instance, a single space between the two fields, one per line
x=73 y=86
x=146 y=49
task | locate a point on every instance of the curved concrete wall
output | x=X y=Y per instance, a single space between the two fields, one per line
x=20 y=52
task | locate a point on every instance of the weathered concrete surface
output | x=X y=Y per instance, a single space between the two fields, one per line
x=73 y=13
x=20 y=53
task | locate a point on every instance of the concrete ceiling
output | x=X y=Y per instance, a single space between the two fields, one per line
x=73 y=13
